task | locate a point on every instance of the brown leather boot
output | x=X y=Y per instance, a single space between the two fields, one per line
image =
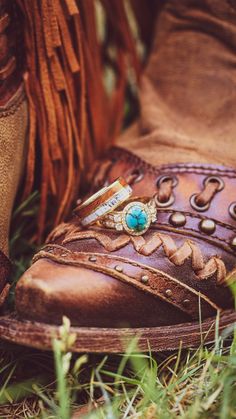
x=13 y=127
x=168 y=284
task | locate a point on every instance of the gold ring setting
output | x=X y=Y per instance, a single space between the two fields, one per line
x=135 y=218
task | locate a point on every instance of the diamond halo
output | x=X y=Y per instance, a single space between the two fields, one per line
x=136 y=218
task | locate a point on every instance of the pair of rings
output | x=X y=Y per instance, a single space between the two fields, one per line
x=113 y=207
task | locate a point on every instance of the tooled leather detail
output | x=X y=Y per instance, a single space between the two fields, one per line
x=222 y=236
x=146 y=246
x=157 y=283
x=61 y=230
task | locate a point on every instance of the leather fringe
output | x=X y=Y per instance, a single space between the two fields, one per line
x=73 y=117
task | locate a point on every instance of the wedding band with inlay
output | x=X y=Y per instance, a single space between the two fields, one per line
x=103 y=202
x=135 y=218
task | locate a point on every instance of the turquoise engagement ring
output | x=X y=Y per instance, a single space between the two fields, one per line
x=135 y=218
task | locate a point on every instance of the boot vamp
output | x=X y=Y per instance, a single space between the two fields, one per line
x=170 y=274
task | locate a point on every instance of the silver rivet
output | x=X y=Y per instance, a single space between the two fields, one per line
x=186 y=302
x=168 y=293
x=177 y=219
x=144 y=279
x=92 y=259
x=233 y=242
x=118 y=268
x=207 y=226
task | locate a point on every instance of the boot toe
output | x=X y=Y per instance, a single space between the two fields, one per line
x=49 y=290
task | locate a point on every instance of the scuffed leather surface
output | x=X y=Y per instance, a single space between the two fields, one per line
x=187 y=115
x=93 y=298
x=13 y=112
x=13 y=136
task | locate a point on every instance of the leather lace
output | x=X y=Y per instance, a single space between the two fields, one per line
x=164 y=191
x=206 y=195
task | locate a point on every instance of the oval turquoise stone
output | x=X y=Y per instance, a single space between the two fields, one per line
x=136 y=218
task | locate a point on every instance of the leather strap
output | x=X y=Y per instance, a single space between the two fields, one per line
x=143 y=277
x=177 y=255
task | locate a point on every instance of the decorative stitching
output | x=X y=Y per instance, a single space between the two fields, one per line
x=196 y=231
x=176 y=255
x=157 y=284
x=200 y=217
x=65 y=228
x=126 y=155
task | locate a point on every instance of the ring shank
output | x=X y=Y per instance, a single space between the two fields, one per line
x=103 y=202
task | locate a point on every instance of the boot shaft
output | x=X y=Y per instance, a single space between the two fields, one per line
x=11 y=49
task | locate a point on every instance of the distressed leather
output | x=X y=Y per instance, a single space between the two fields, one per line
x=187 y=92
x=76 y=273
x=13 y=113
x=99 y=277
x=11 y=50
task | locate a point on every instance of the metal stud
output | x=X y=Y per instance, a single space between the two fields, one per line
x=168 y=293
x=92 y=259
x=233 y=243
x=186 y=302
x=144 y=279
x=177 y=219
x=207 y=226
x=118 y=268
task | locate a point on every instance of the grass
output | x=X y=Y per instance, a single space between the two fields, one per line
x=188 y=384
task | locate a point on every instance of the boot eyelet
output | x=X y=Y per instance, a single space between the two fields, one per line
x=215 y=179
x=165 y=204
x=232 y=210
x=138 y=175
x=197 y=207
x=171 y=199
x=166 y=178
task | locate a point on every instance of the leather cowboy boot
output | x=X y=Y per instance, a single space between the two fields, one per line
x=167 y=284
x=13 y=127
